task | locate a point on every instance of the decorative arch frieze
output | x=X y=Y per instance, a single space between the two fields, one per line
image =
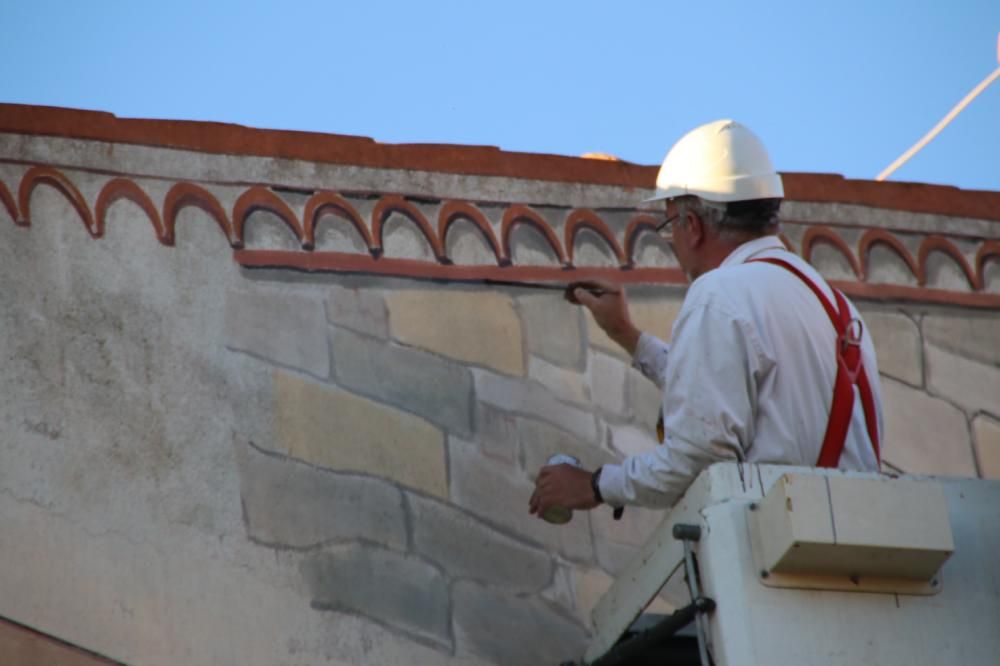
x=874 y=237
x=123 y=188
x=988 y=250
x=323 y=203
x=582 y=218
x=261 y=198
x=393 y=203
x=452 y=211
x=622 y=243
x=45 y=175
x=186 y=194
x=637 y=225
x=941 y=244
x=822 y=234
x=520 y=214
x=7 y=199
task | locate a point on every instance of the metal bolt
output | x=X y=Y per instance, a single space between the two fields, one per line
x=764 y=573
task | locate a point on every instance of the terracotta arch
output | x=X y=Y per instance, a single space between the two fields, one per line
x=823 y=234
x=261 y=198
x=883 y=237
x=186 y=194
x=635 y=227
x=322 y=203
x=37 y=175
x=987 y=251
x=937 y=243
x=582 y=218
x=123 y=188
x=8 y=202
x=451 y=211
x=520 y=214
x=393 y=203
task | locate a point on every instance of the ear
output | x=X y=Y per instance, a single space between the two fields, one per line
x=696 y=230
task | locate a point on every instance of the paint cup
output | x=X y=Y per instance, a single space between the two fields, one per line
x=560 y=515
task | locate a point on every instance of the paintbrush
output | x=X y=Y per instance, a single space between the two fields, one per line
x=567 y=289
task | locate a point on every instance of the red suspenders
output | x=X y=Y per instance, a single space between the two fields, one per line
x=850 y=373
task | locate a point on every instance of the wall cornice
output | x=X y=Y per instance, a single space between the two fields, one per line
x=434 y=221
x=229 y=139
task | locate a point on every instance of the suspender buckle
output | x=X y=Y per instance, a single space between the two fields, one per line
x=851 y=337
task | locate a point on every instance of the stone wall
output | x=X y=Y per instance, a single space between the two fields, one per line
x=209 y=461
x=941 y=379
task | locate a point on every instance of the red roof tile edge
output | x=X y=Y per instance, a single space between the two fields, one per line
x=211 y=137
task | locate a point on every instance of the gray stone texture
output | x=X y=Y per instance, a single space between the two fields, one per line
x=466 y=548
x=264 y=230
x=501 y=497
x=402 y=239
x=359 y=309
x=831 y=263
x=567 y=385
x=528 y=247
x=607 y=383
x=887 y=267
x=612 y=556
x=634 y=528
x=923 y=434
x=590 y=249
x=943 y=272
x=422 y=383
x=496 y=434
x=511 y=630
x=396 y=589
x=280 y=326
x=540 y=441
x=975 y=335
x=465 y=245
x=553 y=328
x=288 y=503
x=532 y=399
x=972 y=385
x=897 y=345
x=645 y=399
x=870 y=216
x=121 y=405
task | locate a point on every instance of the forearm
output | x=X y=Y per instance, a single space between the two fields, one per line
x=627 y=337
x=657 y=478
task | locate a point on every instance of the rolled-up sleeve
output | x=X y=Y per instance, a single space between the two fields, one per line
x=650 y=358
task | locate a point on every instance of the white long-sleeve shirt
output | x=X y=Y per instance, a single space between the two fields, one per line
x=748 y=376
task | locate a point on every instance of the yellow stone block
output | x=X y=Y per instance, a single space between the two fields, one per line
x=653 y=317
x=986 y=432
x=332 y=428
x=476 y=327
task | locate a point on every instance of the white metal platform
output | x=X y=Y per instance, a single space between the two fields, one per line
x=951 y=618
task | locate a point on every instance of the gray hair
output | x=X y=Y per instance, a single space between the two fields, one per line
x=736 y=220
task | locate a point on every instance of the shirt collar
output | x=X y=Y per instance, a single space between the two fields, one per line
x=746 y=251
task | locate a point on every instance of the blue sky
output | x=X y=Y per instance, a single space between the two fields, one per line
x=833 y=87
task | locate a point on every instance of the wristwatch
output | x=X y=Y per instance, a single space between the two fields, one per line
x=595 y=485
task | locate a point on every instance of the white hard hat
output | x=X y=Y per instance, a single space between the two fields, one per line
x=721 y=161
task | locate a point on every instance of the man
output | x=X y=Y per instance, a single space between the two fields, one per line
x=767 y=363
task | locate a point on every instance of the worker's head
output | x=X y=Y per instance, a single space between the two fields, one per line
x=719 y=183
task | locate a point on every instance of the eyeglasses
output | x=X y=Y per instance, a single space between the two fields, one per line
x=666 y=223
